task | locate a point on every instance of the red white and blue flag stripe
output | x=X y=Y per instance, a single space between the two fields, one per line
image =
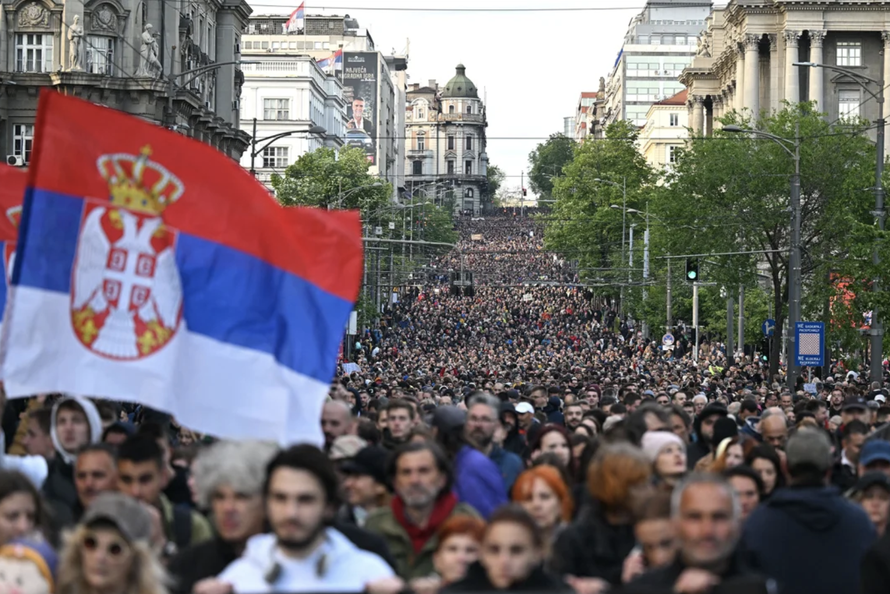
x=236 y=304
x=295 y=21
x=332 y=62
x=12 y=192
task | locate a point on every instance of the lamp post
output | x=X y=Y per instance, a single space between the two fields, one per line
x=254 y=150
x=876 y=330
x=793 y=150
x=195 y=73
x=623 y=187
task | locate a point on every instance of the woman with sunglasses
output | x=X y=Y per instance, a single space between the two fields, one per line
x=110 y=552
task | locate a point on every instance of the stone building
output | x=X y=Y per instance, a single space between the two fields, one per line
x=665 y=131
x=445 y=129
x=123 y=54
x=750 y=48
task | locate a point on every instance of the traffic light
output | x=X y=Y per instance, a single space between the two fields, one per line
x=691 y=270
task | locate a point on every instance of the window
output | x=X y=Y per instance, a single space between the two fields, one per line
x=849 y=53
x=468 y=193
x=22 y=138
x=33 y=52
x=672 y=153
x=100 y=55
x=276 y=109
x=848 y=104
x=248 y=45
x=468 y=168
x=275 y=157
x=469 y=143
x=417 y=168
x=469 y=109
x=450 y=109
x=449 y=166
x=421 y=143
x=420 y=115
x=451 y=143
x=674 y=119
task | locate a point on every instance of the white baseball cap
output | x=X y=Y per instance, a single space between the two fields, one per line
x=524 y=408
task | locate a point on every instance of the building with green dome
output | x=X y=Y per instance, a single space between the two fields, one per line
x=446 y=159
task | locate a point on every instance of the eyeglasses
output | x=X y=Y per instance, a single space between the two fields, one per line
x=115 y=549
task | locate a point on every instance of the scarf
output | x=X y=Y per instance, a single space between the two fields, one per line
x=420 y=535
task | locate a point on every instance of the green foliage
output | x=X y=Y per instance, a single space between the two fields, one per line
x=582 y=225
x=325 y=179
x=496 y=179
x=730 y=193
x=547 y=162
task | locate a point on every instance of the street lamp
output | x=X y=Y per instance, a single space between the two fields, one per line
x=876 y=330
x=314 y=130
x=793 y=150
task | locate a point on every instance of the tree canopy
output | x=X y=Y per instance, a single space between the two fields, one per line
x=547 y=161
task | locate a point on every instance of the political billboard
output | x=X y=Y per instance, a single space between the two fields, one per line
x=360 y=71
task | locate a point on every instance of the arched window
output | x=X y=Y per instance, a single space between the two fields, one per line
x=469 y=109
x=468 y=193
x=451 y=109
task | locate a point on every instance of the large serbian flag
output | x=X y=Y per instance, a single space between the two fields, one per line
x=12 y=191
x=152 y=268
x=296 y=19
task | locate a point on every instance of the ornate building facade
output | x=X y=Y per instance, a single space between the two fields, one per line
x=131 y=55
x=446 y=152
x=746 y=59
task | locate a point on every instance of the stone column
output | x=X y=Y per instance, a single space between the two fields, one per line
x=792 y=76
x=739 y=91
x=717 y=109
x=752 y=75
x=775 y=84
x=698 y=115
x=817 y=75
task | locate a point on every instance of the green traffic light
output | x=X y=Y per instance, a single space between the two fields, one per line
x=691 y=275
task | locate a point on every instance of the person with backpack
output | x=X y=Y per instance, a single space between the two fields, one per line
x=140 y=466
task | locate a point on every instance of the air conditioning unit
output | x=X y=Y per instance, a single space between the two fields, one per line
x=15 y=160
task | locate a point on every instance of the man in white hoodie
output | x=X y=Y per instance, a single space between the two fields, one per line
x=303 y=554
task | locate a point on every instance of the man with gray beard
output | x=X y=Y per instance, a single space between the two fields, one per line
x=479 y=430
x=421 y=477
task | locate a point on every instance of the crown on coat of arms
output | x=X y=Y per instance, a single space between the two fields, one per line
x=139 y=184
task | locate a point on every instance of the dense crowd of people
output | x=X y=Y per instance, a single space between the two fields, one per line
x=472 y=444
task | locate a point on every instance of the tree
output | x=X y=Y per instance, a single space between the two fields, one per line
x=324 y=178
x=496 y=178
x=730 y=193
x=582 y=225
x=547 y=161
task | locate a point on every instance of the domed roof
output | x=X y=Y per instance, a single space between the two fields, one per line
x=460 y=85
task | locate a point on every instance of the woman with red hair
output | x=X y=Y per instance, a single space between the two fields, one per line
x=542 y=492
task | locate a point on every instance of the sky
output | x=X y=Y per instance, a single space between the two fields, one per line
x=532 y=66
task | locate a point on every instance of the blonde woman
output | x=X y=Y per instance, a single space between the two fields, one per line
x=110 y=552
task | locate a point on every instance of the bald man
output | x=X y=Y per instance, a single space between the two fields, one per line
x=774 y=430
x=336 y=420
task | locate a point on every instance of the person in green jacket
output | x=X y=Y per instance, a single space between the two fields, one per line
x=421 y=477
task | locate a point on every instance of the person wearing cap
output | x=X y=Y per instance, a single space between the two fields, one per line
x=303 y=553
x=364 y=484
x=855 y=407
x=111 y=551
x=345 y=447
x=228 y=478
x=529 y=426
x=809 y=520
x=668 y=455
x=872 y=492
x=874 y=457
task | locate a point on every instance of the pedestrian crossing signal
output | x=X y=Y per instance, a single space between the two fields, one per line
x=691 y=270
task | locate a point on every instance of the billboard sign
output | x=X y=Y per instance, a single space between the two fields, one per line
x=360 y=92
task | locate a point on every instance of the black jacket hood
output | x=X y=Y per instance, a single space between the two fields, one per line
x=815 y=507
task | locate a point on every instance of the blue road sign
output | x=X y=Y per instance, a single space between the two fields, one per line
x=809 y=344
x=667 y=340
x=768 y=328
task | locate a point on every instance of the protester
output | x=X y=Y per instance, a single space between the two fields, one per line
x=75 y=423
x=302 y=554
x=22 y=513
x=656 y=537
x=872 y=492
x=809 y=520
x=764 y=460
x=543 y=493
x=668 y=455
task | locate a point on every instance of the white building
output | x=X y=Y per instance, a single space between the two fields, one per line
x=665 y=131
x=445 y=129
x=287 y=95
x=660 y=42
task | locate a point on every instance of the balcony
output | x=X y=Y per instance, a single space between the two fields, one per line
x=420 y=154
x=475 y=118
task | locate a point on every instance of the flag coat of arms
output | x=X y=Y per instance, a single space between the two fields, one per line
x=152 y=268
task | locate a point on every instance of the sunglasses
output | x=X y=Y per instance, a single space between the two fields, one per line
x=115 y=549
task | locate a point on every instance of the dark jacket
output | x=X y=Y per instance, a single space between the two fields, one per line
x=876 y=567
x=787 y=536
x=366 y=541
x=701 y=447
x=737 y=578
x=514 y=442
x=197 y=562
x=554 y=415
x=591 y=547
x=477 y=580
x=843 y=476
x=509 y=465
